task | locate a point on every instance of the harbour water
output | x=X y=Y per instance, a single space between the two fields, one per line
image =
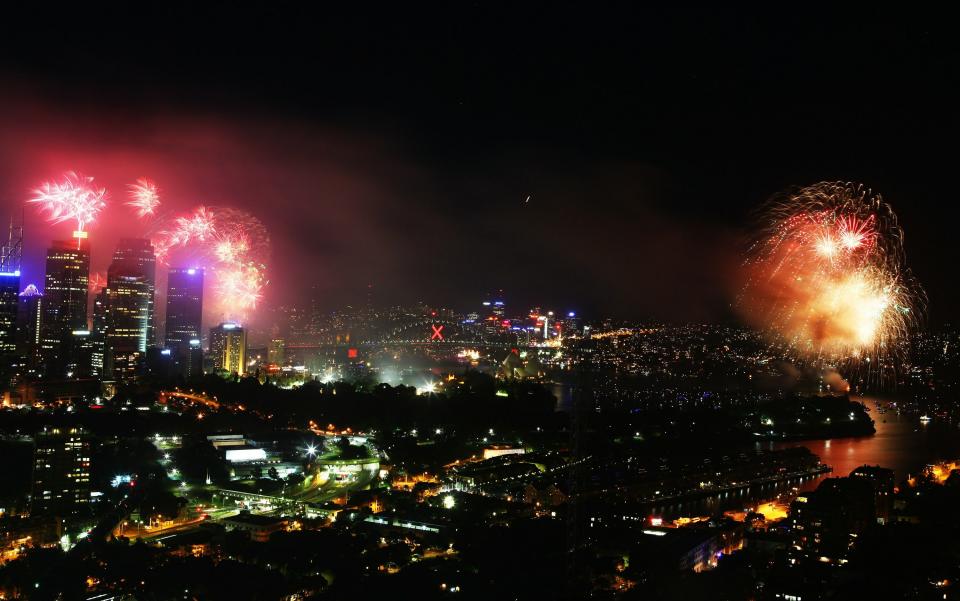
x=902 y=442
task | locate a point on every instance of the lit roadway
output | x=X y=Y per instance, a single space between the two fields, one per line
x=203 y=399
x=134 y=531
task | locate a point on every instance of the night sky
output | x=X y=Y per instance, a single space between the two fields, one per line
x=399 y=149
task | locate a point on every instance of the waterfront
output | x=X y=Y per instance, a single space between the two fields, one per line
x=901 y=443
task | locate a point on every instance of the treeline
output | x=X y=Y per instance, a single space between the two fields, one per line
x=474 y=401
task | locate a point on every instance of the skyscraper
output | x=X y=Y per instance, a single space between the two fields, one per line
x=122 y=311
x=101 y=320
x=128 y=306
x=136 y=256
x=65 y=302
x=228 y=348
x=184 y=305
x=28 y=327
x=61 y=471
x=184 y=314
x=9 y=305
x=10 y=258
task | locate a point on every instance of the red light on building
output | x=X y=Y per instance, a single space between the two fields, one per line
x=351 y=353
x=436 y=332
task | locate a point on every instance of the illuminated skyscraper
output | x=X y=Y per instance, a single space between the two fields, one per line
x=228 y=348
x=9 y=304
x=65 y=302
x=128 y=306
x=127 y=310
x=10 y=258
x=184 y=315
x=135 y=255
x=28 y=327
x=184 y=306
x=98 y=334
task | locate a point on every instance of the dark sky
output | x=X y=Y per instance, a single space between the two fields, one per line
x=397 y=148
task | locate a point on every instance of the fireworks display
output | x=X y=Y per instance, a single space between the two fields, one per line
x=144 y=197
x=827 y=274
x=73 y=198
x=232 y=244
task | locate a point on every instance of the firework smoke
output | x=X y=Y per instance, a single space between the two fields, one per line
x=827 y=275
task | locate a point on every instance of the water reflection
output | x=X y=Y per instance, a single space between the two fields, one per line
x=900 y=443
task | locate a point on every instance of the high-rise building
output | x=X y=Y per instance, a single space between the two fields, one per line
x=126 y=311
x=10 y=259
x=65 y=302
x=184 y=316
x=61 y=472
x=184 y=305
x=192 y=365
x=135 y=255
x=228 y=348
x=98 y=333
x=28 y=327
x=128 y=306
x=82 y=355
x=9 y=305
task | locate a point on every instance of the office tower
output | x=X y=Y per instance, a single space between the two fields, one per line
x=228 y=348
x=82 y=356
x=494 y=311
x=276 y=351
x=30 y=306
x=184 y=315
x=9 y=305
x=193 y=364
x=10 y=258
x=98 y=333
x=184 y=306
x=128 y=305
x=136 y=256
x=126 y=309
x=65 y=302
x=61 y=472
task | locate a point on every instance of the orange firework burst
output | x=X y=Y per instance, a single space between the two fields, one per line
x=827 y=274
x=231 y=248
x=240 y=286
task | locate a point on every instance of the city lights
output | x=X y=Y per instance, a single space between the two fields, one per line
x=543 y=302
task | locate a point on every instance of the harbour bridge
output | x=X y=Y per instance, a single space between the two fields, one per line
x=425 y=331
